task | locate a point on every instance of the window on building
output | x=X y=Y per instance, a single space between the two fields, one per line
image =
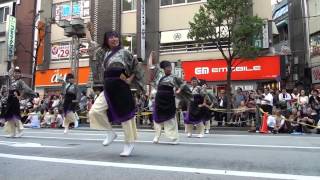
x=129 y=5
x=4 y=11
x=166 y=2
x=129 y=43
x=190 y=1
x=172 y=2
x=76 y=9
x=178 y=1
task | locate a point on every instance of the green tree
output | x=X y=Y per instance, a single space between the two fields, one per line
x=232 y=28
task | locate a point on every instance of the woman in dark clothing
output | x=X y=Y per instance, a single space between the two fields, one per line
x=116 y=103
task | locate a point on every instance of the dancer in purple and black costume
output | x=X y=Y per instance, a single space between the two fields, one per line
x=10 y=110
x=70 y=101
x=164 y=114
x=207 y=105
x=196 y=113
x=116 y=102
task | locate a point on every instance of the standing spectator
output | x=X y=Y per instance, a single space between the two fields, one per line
x=314 y=101
x=259 y=97
x=275 y=94
x=295 y=95
x=251 y=104
x=267 y=101
x=222 y=104
x=238 y=98
x=83 y=101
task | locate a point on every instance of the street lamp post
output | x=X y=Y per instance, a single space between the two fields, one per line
x=74 y=29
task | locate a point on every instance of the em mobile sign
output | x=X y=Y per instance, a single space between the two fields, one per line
x=11 y=36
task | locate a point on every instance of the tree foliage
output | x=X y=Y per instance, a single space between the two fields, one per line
x=232 y=28
x=230 y=25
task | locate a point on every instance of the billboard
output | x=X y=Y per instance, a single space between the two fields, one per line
x=216 y=70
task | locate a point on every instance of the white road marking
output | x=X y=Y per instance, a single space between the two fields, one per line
x=71 y=133
x=162 y=168
x=29 y=145
x=188 y=143
x=257 y=135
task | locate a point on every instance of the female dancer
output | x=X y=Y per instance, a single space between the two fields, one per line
x=196 y=113
x=165 y=107
x=116 y=102
x=71 y=96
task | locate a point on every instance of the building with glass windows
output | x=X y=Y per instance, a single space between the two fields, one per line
x=55 y=59
x=22 y=47
x=158 y=25
x=163 y=26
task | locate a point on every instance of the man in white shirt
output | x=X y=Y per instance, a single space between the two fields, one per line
x=267 y=101
x=284 y=99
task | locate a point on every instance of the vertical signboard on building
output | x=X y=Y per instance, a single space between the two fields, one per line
x=265 y=35
x=143 y=29
x=11 y=36
x=40 y=44
x=262 y=41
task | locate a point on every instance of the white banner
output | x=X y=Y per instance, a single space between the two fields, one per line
x=175 y=36
x=59 y=51
x=11 y=35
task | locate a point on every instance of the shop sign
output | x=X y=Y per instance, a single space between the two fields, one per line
x=52 y=77
x=59 y=51
x=216 y=70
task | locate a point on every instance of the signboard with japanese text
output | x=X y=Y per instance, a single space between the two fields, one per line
x=11 y=35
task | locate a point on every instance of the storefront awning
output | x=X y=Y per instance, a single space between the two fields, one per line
x=49 y=77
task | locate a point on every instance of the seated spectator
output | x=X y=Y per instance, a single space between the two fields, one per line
x=58 y=119
x=33 y=119
x=276 y=122
x=293 y=119
x=47 y=119
x=55 y=102
x=36 y=102
x=306 y=121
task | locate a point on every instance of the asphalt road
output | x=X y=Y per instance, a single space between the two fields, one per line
x=49 y=154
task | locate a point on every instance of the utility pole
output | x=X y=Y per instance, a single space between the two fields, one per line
x=74 y=29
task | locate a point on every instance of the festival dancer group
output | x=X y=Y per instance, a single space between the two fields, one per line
x=116 y=103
